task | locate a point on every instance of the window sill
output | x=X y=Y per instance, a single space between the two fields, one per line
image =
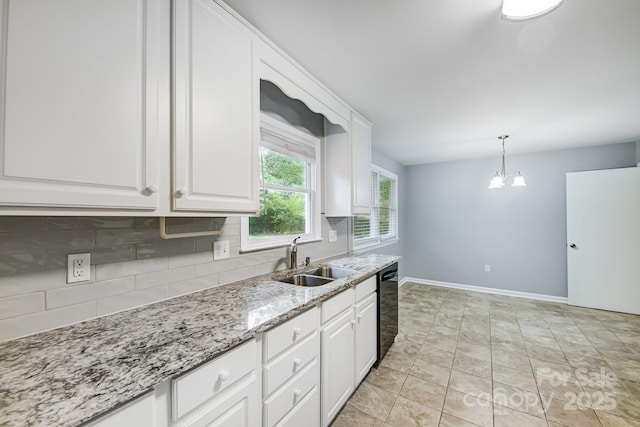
x=377 y=245
x=279 y=245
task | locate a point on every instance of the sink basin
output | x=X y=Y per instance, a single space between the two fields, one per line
x=306 y=280
x=331 y=272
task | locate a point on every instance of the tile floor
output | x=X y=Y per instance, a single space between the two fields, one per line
x=472 y=359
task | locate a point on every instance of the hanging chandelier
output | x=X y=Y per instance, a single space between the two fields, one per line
x=498 y=180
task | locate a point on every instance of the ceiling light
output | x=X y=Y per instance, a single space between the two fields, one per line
x=500 y=177
x=518 y=10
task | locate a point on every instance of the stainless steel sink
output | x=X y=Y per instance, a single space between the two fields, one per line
x=331 y=272
x=306 y=280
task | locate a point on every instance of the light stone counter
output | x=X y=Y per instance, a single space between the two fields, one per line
x=69 y=375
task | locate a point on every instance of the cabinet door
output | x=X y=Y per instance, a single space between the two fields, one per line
x=361 y=164
x=139 y=413
x=216 y=111
x=239 y=409
x=337 y=354
x=366 y=336
x=79 y=103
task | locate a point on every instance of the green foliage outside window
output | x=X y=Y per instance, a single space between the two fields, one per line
x=281 y=211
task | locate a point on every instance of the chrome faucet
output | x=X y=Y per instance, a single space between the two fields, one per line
x=293 y=253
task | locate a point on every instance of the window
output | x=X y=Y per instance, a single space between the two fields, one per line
x=289 y=202
x=382 y=224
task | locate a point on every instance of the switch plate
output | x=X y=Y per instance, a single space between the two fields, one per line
x=333 y=235
x=78 y=268
x=221 y=249
x=487 y=268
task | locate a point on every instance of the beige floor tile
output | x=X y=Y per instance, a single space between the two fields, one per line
x=350 y=416
x=514 y=377
x=431 y=372
x=407 y=413
x=424 y=392
x=447 y=420
x=510 y=360
x=482 y=352
x=373 y=401
x=609 y=420
x=518 y=399
x=438 y=355
x=387 y=379
x=470 y=384
x=468 y=408
x=506 y=417
x=570 y=415
x=548 y=355
x=399 y=361
x=480 y=368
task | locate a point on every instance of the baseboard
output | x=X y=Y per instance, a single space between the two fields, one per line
x=403 y=281
x=495 y=291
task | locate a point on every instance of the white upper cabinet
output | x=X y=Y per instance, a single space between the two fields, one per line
x=216 y=110
x=79 y=104
x=348 y=168
x=361 y=164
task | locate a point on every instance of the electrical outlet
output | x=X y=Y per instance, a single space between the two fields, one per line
x=78 y=268
x=221 y=249
x=487 y=268
x=333 y=235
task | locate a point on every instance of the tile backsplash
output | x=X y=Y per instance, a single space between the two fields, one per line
x=131 y=265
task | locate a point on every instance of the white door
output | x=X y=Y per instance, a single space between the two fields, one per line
x=216 y=110
x=337 y=354
x=79 y=103
x=366 y=336
x=603 y=239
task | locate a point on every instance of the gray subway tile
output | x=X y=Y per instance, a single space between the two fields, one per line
x=165 y=248
x=15 y=262
x=44 y=320
x=14 y=224
x=87 y=223
x=126 y=236
x=46 y=241
x=21 y=304
x=76 y=294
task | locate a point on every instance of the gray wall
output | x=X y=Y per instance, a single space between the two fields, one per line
x=384 y=161
x=455 y=224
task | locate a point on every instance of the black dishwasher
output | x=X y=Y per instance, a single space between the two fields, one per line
x=387 y=309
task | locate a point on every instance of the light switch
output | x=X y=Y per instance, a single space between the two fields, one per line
x=333 y=235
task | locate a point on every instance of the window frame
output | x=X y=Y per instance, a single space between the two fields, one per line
x=286 y=132
x=375 y=239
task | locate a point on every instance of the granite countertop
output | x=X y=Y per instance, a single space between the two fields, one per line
x=69 y=375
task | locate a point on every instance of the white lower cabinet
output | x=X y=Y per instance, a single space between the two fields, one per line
x=291 y=372
x=348 y=344
x=222 y=392
x=140 y=413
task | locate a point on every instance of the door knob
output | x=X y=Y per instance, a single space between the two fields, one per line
x=573 y=246
x=151 y=190
x=181 y=192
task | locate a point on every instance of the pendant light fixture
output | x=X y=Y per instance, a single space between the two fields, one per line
x=519 y=10
x=500 y=177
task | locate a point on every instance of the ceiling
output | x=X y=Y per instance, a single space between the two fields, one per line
x=441 y=79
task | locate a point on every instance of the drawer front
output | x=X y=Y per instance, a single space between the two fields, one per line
x=207 y=381
x=365 y=288
x=140 y=413
x=293 y=394
x=284 y=367
x=290 y=332
x=307 y=413
x=337 y=304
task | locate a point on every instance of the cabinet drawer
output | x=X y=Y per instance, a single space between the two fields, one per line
x=337 y=304
x=290 y=396
x=290 y=332
x=365 y=288
x=290 y=363
x=205 y=382
x=307 y=413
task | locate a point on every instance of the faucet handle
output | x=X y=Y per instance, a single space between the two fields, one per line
x=307 y=261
